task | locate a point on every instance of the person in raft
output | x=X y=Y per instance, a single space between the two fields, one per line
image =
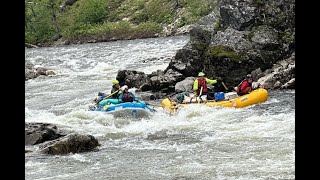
x=115 y=92
x=201 y=82
x=126 y=96
x=246 y=86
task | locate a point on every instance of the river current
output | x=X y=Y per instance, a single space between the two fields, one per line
x=256 y=142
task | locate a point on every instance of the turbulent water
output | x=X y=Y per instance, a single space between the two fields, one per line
x=199 y=142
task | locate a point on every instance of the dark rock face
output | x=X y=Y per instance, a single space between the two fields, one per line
x=265 y=38
x=239 y=37
x=134 y=79
x=237 y=14
x=232 y=38
x=72 y=143
x=187 y=61
x=36 y=133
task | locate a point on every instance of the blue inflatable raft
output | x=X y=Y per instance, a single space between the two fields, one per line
x=127 y=109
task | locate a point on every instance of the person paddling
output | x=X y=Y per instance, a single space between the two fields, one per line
x=200 y=83
x=115 y=92
x=246 y=86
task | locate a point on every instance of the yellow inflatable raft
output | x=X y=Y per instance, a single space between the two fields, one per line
x=254 y=97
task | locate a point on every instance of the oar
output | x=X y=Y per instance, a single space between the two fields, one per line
x=153 y=105
x=111 y=94
x=224 y=86
x=148 y=104
x=200 y=94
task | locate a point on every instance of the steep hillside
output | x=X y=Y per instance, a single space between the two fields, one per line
x=77 y=21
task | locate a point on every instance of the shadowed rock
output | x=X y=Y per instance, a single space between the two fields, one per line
x=72 y=143
x=36 y=133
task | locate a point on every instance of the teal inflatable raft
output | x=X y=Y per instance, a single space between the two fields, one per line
x=128 y=109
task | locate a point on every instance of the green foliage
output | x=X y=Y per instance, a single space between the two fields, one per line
x=107 y=18
x=220 y=51
x=91 y=11
x=148 y=28
x=129 y=9
x=39 y=27
x=118 y=30
x=199 y=8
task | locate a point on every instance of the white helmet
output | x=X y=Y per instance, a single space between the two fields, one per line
x=124 y=87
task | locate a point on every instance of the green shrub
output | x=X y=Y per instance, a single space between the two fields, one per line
x=38 y=26
x=91 y=11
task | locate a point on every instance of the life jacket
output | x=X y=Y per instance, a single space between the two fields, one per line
x=240 y=92
x=116 y=95
x=127 y=97
x=202 y=83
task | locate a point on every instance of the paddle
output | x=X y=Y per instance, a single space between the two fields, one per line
x=200 y=95
x=111 y=94
x=148 y=104
x=153 y=104
x=224 y=86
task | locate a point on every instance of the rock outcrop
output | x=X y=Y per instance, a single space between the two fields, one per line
x=238 y=38
x=51 y=140
x=33 y=71
x=36 y=133
x=72 y=143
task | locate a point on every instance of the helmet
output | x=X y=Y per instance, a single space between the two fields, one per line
x=124 y=87
x=114 y=82
x=201 y=74
x=249 y=76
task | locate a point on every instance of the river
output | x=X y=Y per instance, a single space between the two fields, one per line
x=256 y=142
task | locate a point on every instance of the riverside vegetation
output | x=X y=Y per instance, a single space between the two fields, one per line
x=78 y=21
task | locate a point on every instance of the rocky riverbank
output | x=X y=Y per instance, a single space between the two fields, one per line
x=237 y=38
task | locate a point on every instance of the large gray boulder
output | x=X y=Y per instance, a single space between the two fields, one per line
x=134 y=79
x=237 y=14
x=36 y=133
x=185 y=86
x=265 y=37
x=232 y=38
x=72 y=143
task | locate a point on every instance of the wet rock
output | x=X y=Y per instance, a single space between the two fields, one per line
x=36 y=133
x=185 y=86
x=40 y=70
x=27 y=151
x=158 y=135
x=50 y=72
x=134 y=79
x=72 y=143
x=33 y=71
